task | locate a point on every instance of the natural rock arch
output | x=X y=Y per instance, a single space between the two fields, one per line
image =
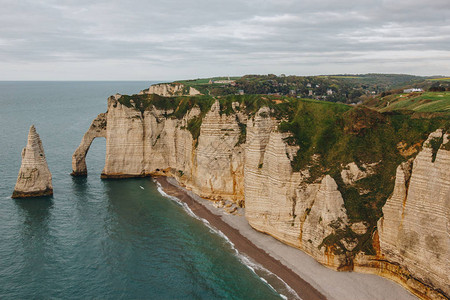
x=97 y=129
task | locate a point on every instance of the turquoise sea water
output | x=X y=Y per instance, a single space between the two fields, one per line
x=94 y=238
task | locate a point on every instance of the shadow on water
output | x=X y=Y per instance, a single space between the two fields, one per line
x=36 y=212
x=79 y=185
x=34 y=232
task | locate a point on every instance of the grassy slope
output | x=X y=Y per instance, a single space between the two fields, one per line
x=418 y=102
x=423 y=102
x=440 y=79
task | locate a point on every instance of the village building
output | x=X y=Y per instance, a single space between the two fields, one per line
x=413 y=90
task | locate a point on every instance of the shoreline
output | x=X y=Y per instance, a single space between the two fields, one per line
x=299 y=271
x=303 y=289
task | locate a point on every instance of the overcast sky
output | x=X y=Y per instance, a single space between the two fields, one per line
x=179 y=39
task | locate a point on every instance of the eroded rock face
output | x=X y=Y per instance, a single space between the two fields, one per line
x=142 y=143
x=352 y=173
x=278 y=203
x=414 y=231
x=218 y=161
x=34 y=177
x=171 y=90
x=97 y=129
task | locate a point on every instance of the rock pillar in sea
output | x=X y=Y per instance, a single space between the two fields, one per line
x=97 y=129
x=34 y=177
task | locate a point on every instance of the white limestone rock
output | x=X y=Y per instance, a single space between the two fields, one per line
x=352 y=173
x=170 y=90
x=414 y=231
x=97 y=129
x=34 y=178
x=278 y=202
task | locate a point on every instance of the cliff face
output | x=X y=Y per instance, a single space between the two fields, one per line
x=414 y=229
x=141 y=143
x=34 y=177
x=218 y=162
x=97 y=129
x=170 y=90
x=277 y=201
x=245 y=158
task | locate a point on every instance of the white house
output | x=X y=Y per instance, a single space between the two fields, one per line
x=412 y=90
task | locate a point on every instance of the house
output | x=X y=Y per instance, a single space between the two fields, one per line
x=223 y=81
x=310 y=93
x=329 y=92
x=308 y=85
x=413 y=90
x=241 y=92
x=228 y=81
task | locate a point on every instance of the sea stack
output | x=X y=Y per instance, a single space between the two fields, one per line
x=34 y=178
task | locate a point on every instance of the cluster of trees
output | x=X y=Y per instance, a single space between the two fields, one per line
x=440 y=86
x=336 y=88
x=329 y=88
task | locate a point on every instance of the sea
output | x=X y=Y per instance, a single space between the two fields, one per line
x=101 y=239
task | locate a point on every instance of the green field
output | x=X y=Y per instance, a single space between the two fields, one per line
x=428 y=102
x=345 y=77
x=440 y=79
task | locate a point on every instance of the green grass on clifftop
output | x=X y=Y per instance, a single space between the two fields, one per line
x=332 y=136
x=175 y=106
x=426 y=102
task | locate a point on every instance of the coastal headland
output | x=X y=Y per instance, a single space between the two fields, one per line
x=356 y=188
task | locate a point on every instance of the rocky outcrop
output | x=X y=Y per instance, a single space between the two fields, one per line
x=171 y=90
x=34 y=177
x=414 y=232
x=142 y=143
x=219 y=161
x=278 y=202
x=194 y=91
x=352 y=173
x=97 y=129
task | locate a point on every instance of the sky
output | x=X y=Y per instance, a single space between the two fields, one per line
x=181 y=39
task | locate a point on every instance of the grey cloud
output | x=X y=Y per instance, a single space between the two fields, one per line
x=203 y=38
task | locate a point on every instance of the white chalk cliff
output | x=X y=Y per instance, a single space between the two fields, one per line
x=34 y=177
x=97 y=129
x=254 y=170
x=414 y=230
x=171 y=90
